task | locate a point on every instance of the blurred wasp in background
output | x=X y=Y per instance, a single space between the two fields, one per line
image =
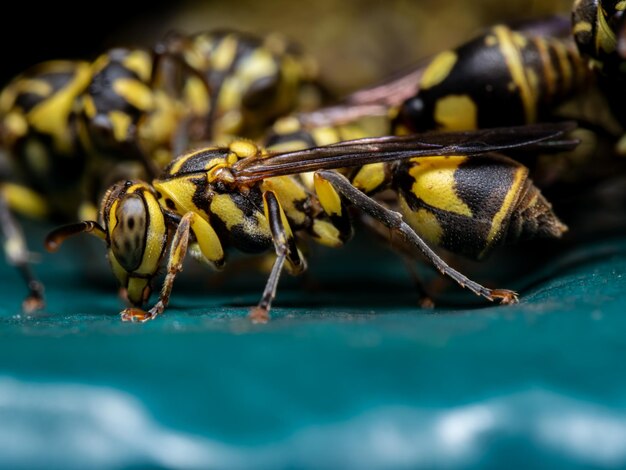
x=69 y=129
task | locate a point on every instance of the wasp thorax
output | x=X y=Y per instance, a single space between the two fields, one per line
x=128 y=236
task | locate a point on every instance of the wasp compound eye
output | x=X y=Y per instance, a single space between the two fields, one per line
x=128 y=237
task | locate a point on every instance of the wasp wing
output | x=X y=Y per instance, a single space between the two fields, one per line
x=532 y=138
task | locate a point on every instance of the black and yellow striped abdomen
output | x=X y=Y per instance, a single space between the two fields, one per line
x=503 y=77
x=471 y=205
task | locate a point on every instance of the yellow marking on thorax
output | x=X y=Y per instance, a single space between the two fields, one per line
x=37 y=156
x=181 y=192
x=513 y=58
x=244 y=149
x=120 y=122
x=139 y=62
x=370 y=177
x=225 y=208
x=456 y=112
x=134 y=92
x=507 y=205
x=435 y=185
x=288 y=192
x=438 y=69
x=425 y=223
x=224 y=54
x=326 y=233
x=160 y=125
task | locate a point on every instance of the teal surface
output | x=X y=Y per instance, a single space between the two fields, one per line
x=348 y=373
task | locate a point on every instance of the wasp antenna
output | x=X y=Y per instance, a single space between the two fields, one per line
x=58 y=236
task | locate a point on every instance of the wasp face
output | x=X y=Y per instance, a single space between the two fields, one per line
x=137 y=236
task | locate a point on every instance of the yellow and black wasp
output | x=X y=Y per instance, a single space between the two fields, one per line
x=72 y=128
x=452 y=192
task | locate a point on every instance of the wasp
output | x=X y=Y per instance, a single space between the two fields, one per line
x=72 y=128
x=452 y=192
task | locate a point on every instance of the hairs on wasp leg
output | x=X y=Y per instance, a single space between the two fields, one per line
x=249 y=199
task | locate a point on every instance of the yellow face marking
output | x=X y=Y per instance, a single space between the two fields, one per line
x=513 y=57
x=120 y=273
x=136 y=288
x=139 y=62
x=244 y=149
x=136 y=93
x=224 y=54
x=456 y=112
x=605 y=37
x=438 y=69
x=425 y=223
x=370 y=177
x=121 y=124
x=434 y=183
x=328 y=197
x=155 y=237
x=509 y=200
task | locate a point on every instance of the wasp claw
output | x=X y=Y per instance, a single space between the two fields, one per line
x=259 y=315
x=136 y=315
x=506 y=297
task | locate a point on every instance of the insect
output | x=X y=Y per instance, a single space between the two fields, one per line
x=72 y=128
x=252 y=200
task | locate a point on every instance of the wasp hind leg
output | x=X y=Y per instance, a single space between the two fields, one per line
x=394 y=221
x=15 y=247
x=210 y=248
x=286 y=251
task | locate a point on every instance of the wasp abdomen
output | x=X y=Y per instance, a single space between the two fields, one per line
x=503 y=77
x=472 y=205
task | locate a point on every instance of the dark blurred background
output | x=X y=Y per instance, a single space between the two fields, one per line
x=355 y=42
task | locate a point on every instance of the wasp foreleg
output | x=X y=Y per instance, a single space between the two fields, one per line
x=286 y=250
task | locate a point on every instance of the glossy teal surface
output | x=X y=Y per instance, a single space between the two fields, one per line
x=349 y=374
